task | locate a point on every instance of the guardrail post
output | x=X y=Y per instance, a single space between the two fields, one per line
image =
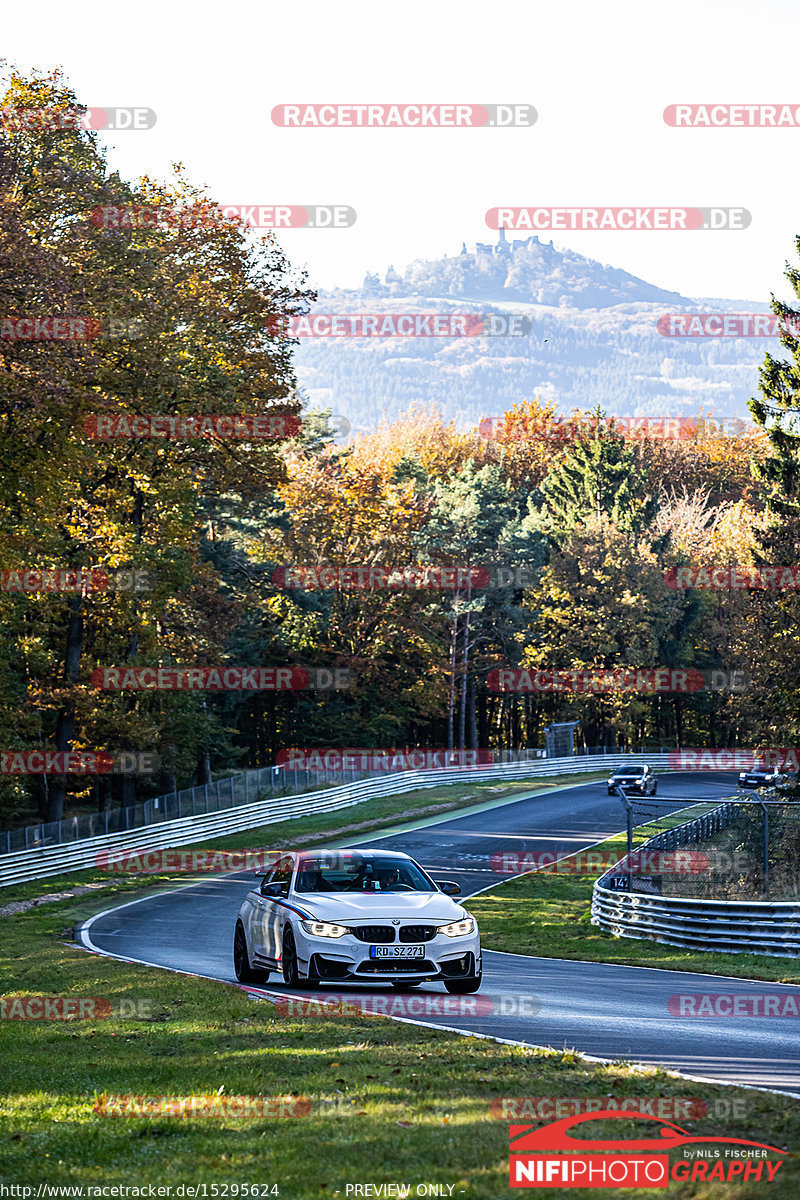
x=629 y=828
x=765 y=827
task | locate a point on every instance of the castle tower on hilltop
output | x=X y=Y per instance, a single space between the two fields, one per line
x=504 y=247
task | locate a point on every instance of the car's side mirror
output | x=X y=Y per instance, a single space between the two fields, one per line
x=271 y=889
x=448 y=887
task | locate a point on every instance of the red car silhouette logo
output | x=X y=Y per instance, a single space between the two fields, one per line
x=525 y=1138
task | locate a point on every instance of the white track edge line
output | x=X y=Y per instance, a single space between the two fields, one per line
x=88 y=945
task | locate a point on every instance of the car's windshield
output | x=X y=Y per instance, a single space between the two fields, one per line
x=627 y=771
x=356 y=873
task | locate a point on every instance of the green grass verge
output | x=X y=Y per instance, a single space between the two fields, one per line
x=403 y=1103
x=548 y=915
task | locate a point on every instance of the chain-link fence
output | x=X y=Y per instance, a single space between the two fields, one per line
x=743 y=848
x=229 y=792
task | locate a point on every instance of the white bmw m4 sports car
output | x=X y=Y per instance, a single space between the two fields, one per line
x=356 y=916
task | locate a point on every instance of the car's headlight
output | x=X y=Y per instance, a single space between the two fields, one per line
x=323 y=929
x=742 y=775
x=457 y=928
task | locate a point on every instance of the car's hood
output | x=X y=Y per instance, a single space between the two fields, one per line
x=347 y=907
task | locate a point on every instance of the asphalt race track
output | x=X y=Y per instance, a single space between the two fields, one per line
x=602 y=1010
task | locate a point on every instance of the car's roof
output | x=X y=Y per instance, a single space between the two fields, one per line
x=356 y=852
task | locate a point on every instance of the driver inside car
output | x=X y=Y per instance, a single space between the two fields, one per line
x=310 y=880
x=389 y=880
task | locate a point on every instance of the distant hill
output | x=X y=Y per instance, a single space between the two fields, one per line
x=593 y=340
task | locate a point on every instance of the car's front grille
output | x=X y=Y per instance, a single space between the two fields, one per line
x=417 y=933
x=374 y=933
x=409 y=966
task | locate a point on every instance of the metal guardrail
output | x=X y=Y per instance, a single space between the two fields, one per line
x=227 y=792
x=44 y=861
x=729 y=926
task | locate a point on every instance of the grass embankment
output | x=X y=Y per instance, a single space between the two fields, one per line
x=547 y=913
x=400 y=1103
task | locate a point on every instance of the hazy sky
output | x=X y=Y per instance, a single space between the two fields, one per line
x=599 y=75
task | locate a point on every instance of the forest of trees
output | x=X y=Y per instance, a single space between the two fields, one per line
x=577 y=522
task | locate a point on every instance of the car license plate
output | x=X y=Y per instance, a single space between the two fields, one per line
x=397 y=951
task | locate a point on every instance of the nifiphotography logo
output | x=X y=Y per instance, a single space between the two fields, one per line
x=537 y=1158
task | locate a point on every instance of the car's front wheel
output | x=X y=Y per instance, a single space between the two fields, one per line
x=291 y=975
x=460 y=987
x=241 y=959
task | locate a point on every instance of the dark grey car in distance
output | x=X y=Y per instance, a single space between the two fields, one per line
x=633 y=779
